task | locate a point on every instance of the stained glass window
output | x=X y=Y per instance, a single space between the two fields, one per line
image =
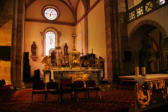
x=161 y=2
x=50 y=38
x=131 y=15
x=139 y=11
x=148 y=6
x=50 y=13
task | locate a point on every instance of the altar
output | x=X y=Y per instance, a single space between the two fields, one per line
x=146 y=85
x=147 y=77
x=81 y=73
x=72 y=65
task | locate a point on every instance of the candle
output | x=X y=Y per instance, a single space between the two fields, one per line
x=137 y=70
x=143 y=70
x=47 y=78
x=52 y=75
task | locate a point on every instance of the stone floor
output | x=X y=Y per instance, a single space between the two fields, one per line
x=115 y=98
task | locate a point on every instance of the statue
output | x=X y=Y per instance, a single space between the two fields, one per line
x=53 y=57
x=33 y=51
x=65 y=49
x=33 y=48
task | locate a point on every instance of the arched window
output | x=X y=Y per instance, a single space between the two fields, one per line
x=162 y=2
x=50 y=42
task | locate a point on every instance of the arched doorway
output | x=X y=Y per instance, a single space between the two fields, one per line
x=146 y=46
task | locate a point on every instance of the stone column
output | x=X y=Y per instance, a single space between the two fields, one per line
x=74 y=41
x=86 y=34
x=87 y=6
x=17 y=43
x=113 y=43
x=108 y=9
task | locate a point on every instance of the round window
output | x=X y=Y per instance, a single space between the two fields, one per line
x=50 y=13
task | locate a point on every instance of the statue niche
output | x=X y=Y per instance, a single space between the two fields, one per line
x=33 y=51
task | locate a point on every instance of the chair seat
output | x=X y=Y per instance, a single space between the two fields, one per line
x=67 y=90
x=80 y=89
x=39 y=91
x=93 y=88
x=53 y=91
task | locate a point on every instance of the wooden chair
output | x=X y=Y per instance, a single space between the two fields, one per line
x=91 y=86
x=52 y=87
x=78 y=86
x=39 y=88
x=65 y=88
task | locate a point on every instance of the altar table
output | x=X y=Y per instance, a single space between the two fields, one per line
x=74 y=73
x=144 y=86
x=147 y=77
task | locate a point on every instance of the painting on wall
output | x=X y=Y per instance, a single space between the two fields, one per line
x=5 y=53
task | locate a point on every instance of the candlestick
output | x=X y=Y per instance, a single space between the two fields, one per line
x=137 y=71
x=143 y=69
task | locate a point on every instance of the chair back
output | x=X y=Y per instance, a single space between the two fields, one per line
x=36 y=75
x=52 y=85
x=2 y=82
x=90 y=83
x=38 y=85
x=78 y=84
x=66 y=83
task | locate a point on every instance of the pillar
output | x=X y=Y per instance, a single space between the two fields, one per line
x=17 y=43
x=113 y=42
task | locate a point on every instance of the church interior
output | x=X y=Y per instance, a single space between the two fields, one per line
x=83 y=55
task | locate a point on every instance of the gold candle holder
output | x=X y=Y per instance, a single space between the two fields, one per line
x=47 y=78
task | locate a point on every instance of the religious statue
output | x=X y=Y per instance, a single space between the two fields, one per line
x=65 y=49
x=33 y=48
x=33 y=51
x=53 y=57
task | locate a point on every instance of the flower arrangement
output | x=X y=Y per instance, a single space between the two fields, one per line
x=47 y=62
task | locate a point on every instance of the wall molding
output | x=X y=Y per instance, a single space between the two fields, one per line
x=50 y=22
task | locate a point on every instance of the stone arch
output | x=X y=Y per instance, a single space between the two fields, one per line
x=149 y=22
x=140 y=30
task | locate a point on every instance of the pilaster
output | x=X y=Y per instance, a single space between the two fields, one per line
x=17 y=43
x=113 y=42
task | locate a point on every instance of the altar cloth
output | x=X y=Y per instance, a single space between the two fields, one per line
x=147 y=77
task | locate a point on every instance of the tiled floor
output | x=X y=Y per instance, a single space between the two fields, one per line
x=114 y=99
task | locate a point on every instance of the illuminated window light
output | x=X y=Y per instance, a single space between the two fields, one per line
x=49 y=42
x=162 y=2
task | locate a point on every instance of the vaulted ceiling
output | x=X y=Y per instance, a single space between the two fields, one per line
x=72 y=4
x=5 y=11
